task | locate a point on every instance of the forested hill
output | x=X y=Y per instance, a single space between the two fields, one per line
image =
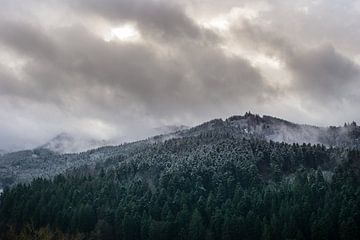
x=279 y=130
x=219 y=180
x=23 y=166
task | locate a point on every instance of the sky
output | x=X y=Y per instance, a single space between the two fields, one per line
x=116 y=69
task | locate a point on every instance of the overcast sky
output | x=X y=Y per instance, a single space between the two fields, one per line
x=118 y=68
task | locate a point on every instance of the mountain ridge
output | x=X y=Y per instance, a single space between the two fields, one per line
x=68 y=143
x=24 y=165
x=280 y=130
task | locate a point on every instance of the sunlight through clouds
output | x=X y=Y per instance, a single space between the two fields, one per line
x=126 y=33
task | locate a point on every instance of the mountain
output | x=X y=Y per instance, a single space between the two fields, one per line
x=71 y=143
x=279 y=130
x=67 y=143
x=170 y=129
x=223 y=179
x=2 y=152
x=65 y=152
x=56 y=156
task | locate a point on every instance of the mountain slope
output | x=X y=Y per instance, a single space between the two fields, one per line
x=48 y=161
x=2 y=152
x=67 y=143
x=210 y=182
x=279 y=130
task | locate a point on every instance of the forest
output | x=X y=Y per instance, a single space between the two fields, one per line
x=210 y=186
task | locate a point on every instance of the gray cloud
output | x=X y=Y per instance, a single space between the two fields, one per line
x=60 y=75
x=164 y=18
x=26 y=39
x=321 y=76
x=324 y=74
x=116 y=81
x=138 y=73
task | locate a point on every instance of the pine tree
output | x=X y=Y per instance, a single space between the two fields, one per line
x=196 y=227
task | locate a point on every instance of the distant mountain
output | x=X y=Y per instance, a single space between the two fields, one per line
x=67 y=143
x=64 y=152
x=170 y=129
x=54 y=157
x=2 y=152
x=279 y=130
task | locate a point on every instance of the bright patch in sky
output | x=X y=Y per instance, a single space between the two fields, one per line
x=357 y=59
x=127 y=33
x=219 y=23
x=96 y=128
x=223 y=22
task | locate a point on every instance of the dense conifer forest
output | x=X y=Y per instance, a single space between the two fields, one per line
x=207 y=186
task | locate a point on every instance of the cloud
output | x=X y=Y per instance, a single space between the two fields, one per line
x=57 y=73
x=164 y=18
x=320 y=76
x=323 y=74
x=124 y=85
x=26 y=38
